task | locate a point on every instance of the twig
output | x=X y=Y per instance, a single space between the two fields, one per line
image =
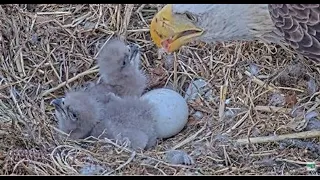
x=95 y=57
x=22 y=120
x=51 y=13
x=272 y=109
x=266 y=139
x=238 y=123
x=3 y=133
x=90 y=71
x=190 y=138
x=140 y=14
x=175 y=66
x=124 y=164
x=270 y=87
x=292 y=89
x=138 y=30
x=291 y=161
x=223 y=94
x=154 y=167
x=126 y=20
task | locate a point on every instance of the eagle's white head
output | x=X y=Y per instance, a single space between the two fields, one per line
x=177 y=24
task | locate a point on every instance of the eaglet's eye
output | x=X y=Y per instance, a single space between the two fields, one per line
x=124 y=61
x=73 y=116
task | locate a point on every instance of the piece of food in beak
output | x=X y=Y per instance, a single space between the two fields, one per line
x=170 y=31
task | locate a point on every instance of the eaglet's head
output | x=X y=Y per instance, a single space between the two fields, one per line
x=117 y=57
x=77 y=113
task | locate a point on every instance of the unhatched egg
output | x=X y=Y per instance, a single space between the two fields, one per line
x=171 y=111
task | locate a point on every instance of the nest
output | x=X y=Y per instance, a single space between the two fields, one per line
x=49 y=49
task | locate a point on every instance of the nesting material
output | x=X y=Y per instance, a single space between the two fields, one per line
x=49 y=48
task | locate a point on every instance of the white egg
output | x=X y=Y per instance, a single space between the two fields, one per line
x=171 y=111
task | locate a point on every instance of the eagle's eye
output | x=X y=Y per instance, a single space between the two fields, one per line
x=191 y=17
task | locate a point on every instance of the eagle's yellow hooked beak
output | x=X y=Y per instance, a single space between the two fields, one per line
x=170 y=31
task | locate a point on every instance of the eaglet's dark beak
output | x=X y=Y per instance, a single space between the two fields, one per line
x=57 y=102
x=134 y=50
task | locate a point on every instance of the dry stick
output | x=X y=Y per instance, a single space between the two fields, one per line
x=270 y=87
x=9 y=84
x=18 y=63
x=53 y=13
x=90 y=71
x=124 y=164
x=95 y=57
x=99 y=17
x=238 y=123
x=154 y=167
x=190 y=138
x=175 y=76
x=223 y=94
x=138 y=30
x=266 y=139
x=18 y=108
x=261 y=83
x=3 y=133
x=222 y=170
x=140 y=14
x=272 y=109
x=292 y=89
x=127 y=16
x=291 y=161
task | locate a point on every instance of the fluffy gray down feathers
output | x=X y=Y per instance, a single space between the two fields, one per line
x=112 y=108
x=119 y=68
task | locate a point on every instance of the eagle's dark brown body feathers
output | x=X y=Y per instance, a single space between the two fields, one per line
x=299 y=25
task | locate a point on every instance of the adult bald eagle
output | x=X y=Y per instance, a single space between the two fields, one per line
x=297 y=25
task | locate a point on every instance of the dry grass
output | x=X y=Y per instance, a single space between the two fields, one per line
x=47 y=49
